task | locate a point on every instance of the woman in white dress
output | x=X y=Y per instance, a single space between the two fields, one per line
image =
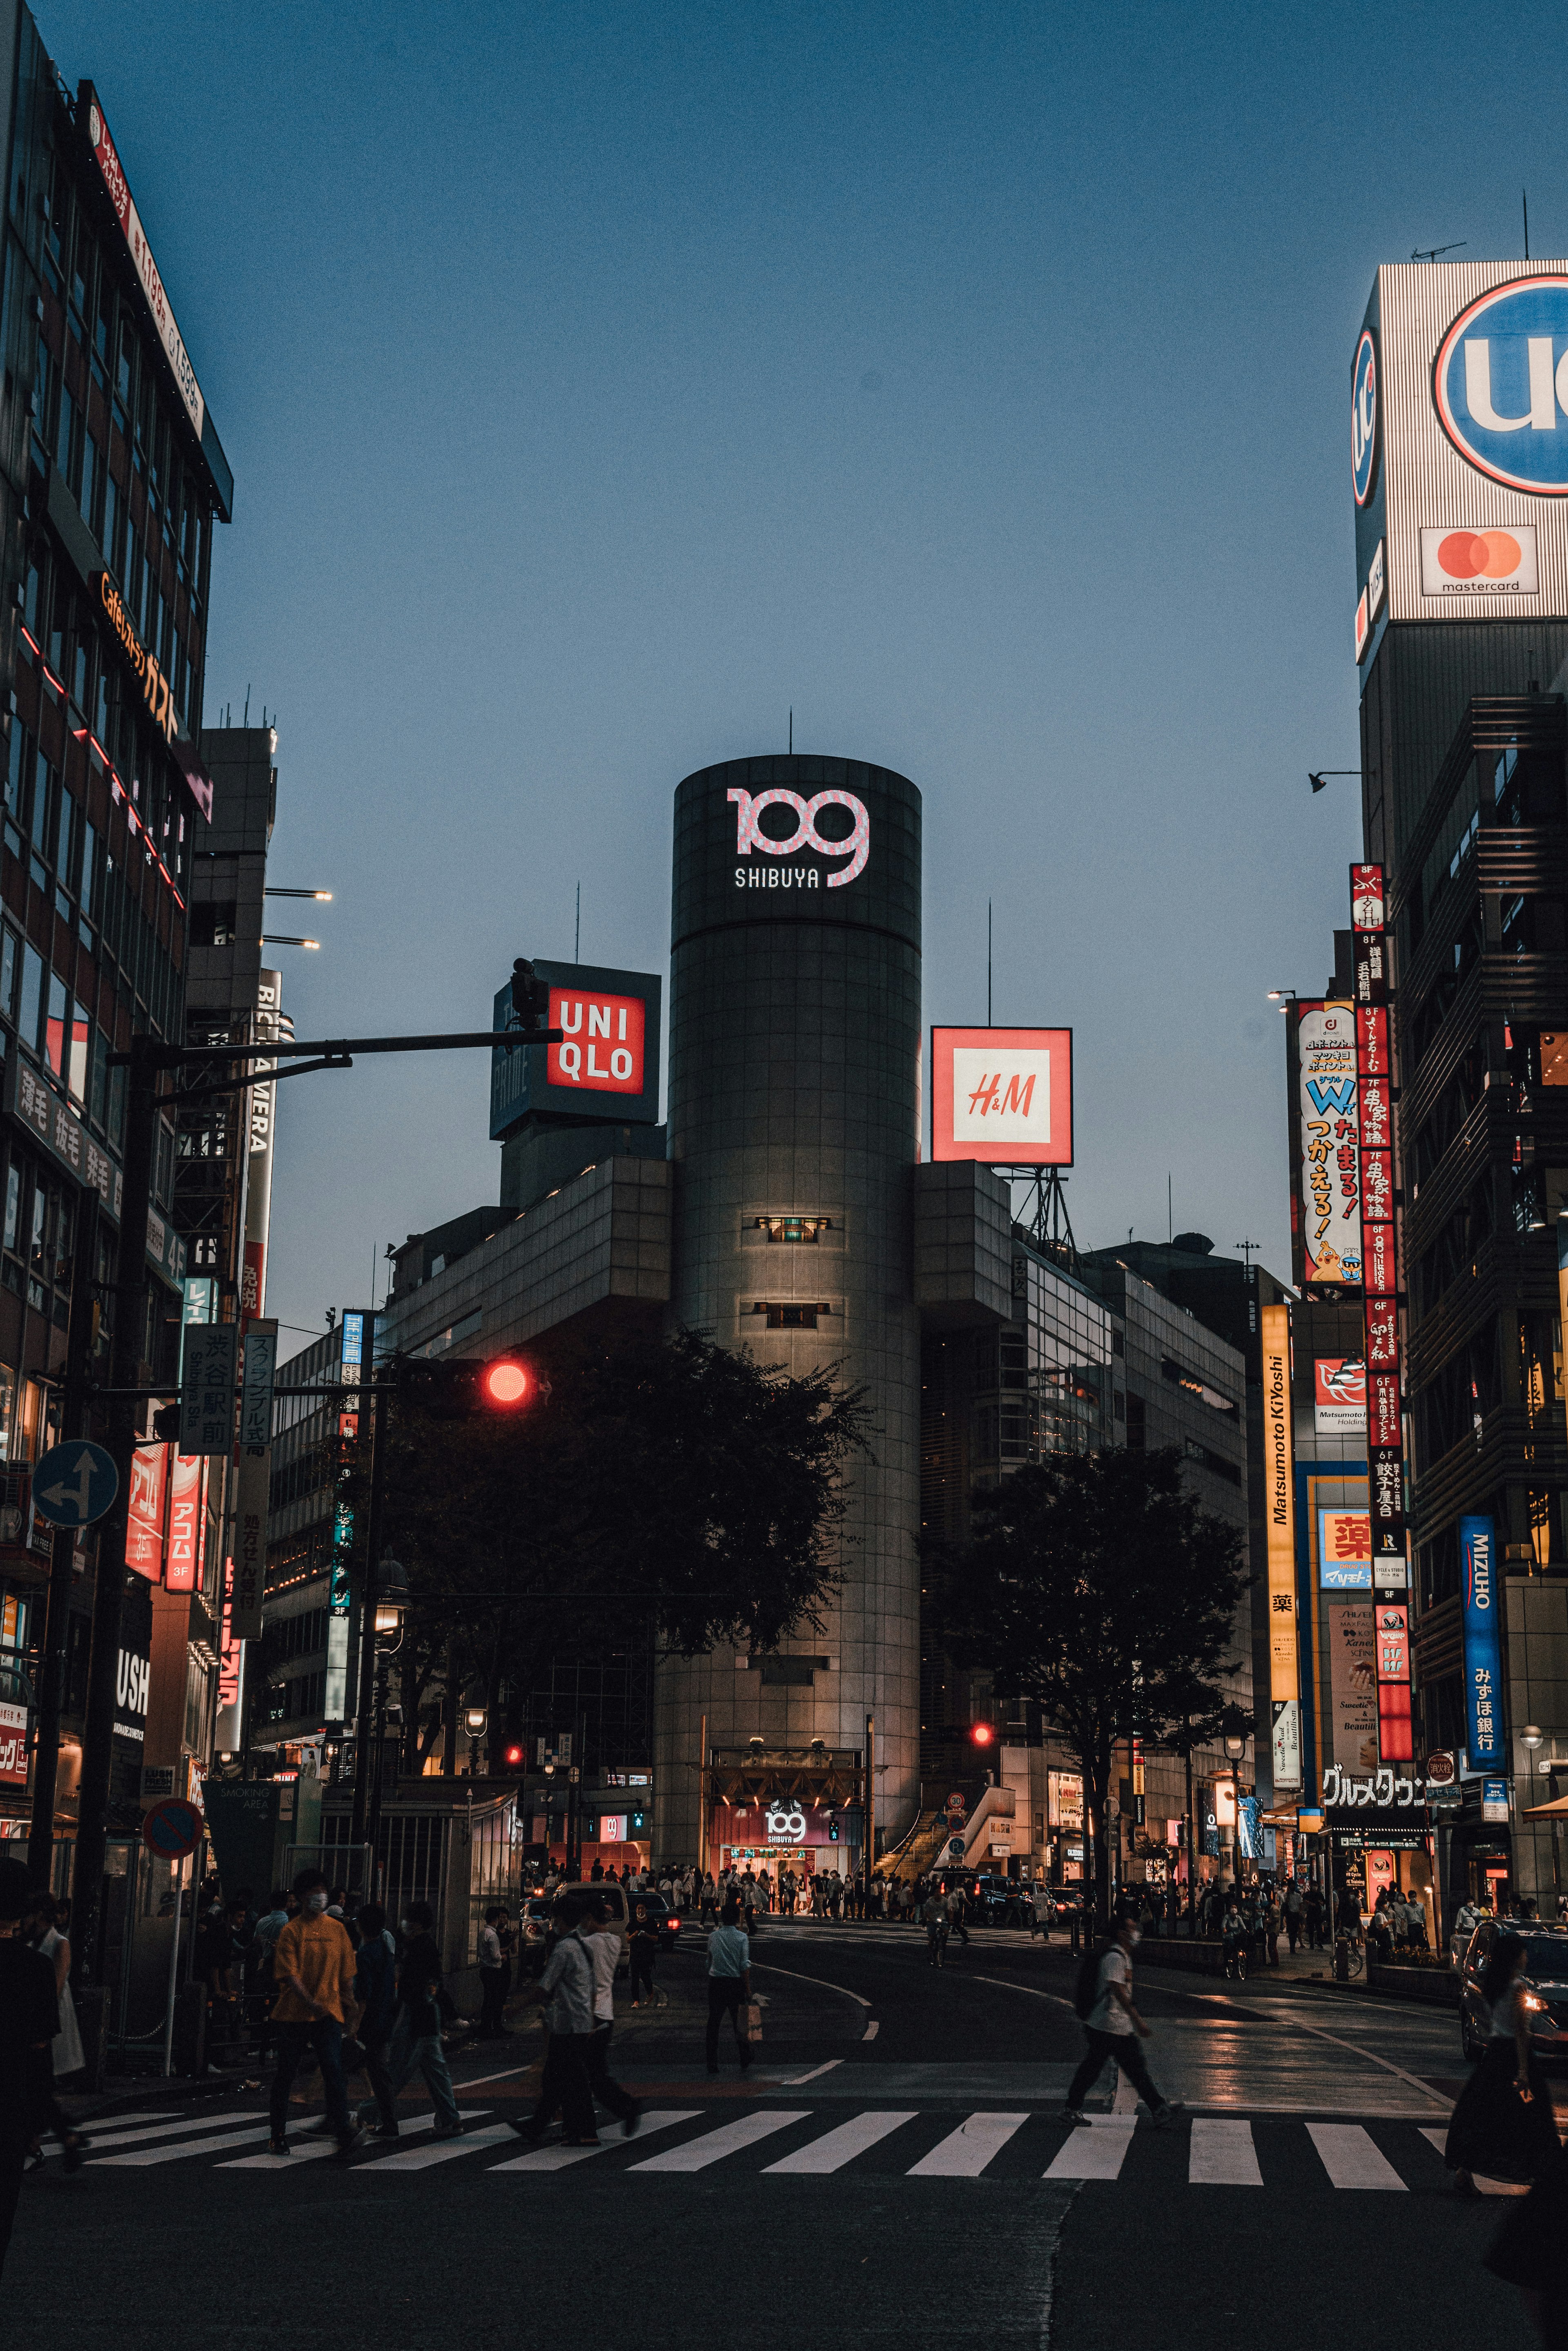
x=67 y=2050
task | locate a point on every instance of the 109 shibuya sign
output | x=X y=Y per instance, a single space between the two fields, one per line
x=749 y=811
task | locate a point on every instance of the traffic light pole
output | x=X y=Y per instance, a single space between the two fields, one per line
x=147 y=1060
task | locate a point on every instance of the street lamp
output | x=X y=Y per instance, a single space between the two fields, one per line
x=388 y=1620
x=475 y=1718
x=1531 y=1736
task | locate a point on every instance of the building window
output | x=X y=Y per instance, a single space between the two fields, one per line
x=782 y=1317
x=1179 y=1376
x=794 y=1228
x=1137 y=1423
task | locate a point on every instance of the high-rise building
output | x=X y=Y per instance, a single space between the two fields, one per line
x=1460 y=467
x=111 y=479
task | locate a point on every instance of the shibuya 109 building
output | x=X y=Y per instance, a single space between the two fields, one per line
x=783 y=1206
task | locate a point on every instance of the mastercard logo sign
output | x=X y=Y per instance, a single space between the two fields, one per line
x=1479 y=554
x=1479 y=562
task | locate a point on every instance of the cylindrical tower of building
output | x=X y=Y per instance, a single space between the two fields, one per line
x=794 y=1109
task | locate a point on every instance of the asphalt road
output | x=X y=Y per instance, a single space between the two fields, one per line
x=893 y=2170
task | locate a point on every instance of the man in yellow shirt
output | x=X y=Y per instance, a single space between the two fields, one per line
x=313 y=1967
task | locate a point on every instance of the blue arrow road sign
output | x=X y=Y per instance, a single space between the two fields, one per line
x=75 y=1483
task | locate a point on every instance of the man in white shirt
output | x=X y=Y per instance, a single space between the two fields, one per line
x=567 y=1987
x=602 y=1939
x=1113 y=2029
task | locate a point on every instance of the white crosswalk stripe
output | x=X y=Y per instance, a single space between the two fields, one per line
x=1094 y=2150
x=142 y=2156
x=837 y=2147
x=139 y=2130
x=728 y=2139
x=1221 y=2150
x=1350 y=2157
x=965 y=2153
x=1222 y=2155
x=558 y=2158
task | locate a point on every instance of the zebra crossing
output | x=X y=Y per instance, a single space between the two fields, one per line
x=1208 y=2151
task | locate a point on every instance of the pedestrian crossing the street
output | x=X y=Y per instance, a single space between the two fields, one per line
x=1120 y=2149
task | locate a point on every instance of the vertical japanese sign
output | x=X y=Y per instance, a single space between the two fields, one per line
x=1285 y=1692
x=144 y=1519
x=180 y=1566
x=250 y=1540
x=1483 y=1643
x=207 y=1387
x=1380 y=1285
x=1329 y=1209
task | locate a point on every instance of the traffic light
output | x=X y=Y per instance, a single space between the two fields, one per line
x=516 y=1756
x=166 y=1425
x=460 y=1387
x=530 y=995
x=832 y=1828
x=981 y=1734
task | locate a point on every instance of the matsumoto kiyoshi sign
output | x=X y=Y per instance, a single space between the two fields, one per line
x=1501 y=383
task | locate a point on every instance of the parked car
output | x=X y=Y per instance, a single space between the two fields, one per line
x=1545 y=1980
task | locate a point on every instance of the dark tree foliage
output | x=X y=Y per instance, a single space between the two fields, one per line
x=1097 y=1587
x=668 y=1489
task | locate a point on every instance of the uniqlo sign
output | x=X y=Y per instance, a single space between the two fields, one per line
x=602 y=1049
x=1002 y=1095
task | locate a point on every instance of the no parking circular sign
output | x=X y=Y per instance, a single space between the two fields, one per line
x=172 y=1828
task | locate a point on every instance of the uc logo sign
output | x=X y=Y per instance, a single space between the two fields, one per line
x=1501 y=383
x=1363 y=418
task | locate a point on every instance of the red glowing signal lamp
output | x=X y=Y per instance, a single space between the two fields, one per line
x=514 y=1754
x=982 y=1734
x=506 y=1382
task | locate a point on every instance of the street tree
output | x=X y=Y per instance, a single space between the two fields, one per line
x=670 y=1491
x=1097 y=1587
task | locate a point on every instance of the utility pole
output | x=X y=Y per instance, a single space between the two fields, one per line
x=146 y=1058
x=364 y=1738
x=52 y=1674
x=868 y=1811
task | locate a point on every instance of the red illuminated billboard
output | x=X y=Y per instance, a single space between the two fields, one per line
x=606 y=1067
x=181 y=1566
x=602 y=1051
x=144 y=1522
x=1002 y=1095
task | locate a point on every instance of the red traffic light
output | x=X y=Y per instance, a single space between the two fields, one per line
x=982 y=1734
x=504 y=1383
x=513 y=1756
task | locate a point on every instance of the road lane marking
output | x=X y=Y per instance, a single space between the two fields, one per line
x=1350 y=2157
x=820 y=1981
x=794 y=2081
x=1222 y=2155
x=870 y=2032
x=837 y=2147
x=1094 y=2150
x=140 y=2130
x=559 y=2159
x=1002 y=1983
x=142 y=2156
x=730 y=2138
x=315 y=2150
x=421 y=2158
x=1126 y=2101
x=965 y=2153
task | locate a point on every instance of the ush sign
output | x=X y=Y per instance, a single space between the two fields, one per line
x=1500 y=384
x=855 y=844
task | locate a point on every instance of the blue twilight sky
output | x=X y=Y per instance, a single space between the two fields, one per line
x=601 y=380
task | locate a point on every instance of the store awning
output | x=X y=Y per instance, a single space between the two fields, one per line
x=1557 y=1810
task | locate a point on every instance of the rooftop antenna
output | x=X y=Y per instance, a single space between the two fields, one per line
x=1247 y=1249
x=1170 y=1213
x=1432 y=251
x=988 y=962
x=1524 y=199
x=791 y=730
x=577 y=939
x=245 y=720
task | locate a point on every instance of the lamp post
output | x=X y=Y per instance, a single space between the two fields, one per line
x=1235 y=1749
x=387 y=1624
x=476 y=1719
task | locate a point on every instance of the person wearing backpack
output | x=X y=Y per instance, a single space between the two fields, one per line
x=1113 y=2028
